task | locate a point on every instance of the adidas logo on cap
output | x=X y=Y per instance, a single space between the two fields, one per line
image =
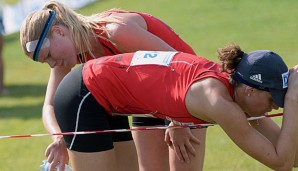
x=257 y=78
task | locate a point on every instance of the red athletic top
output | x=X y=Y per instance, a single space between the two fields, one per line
x=154 y=26
x=149 y=83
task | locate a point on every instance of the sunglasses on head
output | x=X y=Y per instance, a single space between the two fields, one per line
x=42 y=42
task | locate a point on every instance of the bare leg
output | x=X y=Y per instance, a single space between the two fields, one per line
x=105 y=160
x=126 y=156
x=197 y=161
x=152 y=150
x=121 y=158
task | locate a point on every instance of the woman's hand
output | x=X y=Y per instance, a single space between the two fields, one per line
x=57 y=154
x=293 y=78
x=180 y=140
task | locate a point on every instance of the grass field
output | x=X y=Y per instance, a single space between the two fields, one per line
x=205 y=25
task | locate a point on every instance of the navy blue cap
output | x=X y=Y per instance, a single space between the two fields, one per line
x=264 y=70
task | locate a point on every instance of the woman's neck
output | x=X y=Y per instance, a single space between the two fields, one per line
x=97 y=48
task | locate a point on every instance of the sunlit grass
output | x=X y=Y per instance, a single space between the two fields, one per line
x=206 y=25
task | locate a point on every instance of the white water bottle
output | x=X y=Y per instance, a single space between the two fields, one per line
x=45 y=166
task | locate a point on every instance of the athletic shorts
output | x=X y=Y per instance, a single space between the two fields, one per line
x=143 y=121
x=77 y=110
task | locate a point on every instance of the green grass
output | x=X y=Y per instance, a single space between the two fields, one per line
x=206 y=25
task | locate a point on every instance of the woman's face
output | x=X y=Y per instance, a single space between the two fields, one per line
x=258 y=103
x=61 y=52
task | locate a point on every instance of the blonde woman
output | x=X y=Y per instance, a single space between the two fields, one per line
x=77 y=39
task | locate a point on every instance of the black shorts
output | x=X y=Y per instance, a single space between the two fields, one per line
x=77 y=110
x=143 y=121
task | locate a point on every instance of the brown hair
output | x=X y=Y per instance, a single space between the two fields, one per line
x=230 y=56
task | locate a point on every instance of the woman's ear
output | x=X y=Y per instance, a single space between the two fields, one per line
x=58 y=30
x=249 y=90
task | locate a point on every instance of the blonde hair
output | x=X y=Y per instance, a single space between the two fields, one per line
x=81 y=27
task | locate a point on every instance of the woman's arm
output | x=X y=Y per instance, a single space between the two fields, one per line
x=271 y=130
x=48 y=115
x=267 y=127
x=218 y=105
x=133 y=35
x=56 y=152
x=279 y=156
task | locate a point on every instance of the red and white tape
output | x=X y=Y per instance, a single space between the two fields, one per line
x=125 y=130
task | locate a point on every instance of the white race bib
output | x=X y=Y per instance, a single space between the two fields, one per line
x=163 y=58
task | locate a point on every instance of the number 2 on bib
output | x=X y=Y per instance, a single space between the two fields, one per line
x=152 y=58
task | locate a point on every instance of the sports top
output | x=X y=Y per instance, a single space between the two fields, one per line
x=154 y=26
x=154 y=83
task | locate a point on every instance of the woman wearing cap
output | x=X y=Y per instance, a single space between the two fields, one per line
x=79 y=38
x=186 y=90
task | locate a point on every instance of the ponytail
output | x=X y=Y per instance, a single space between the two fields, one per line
x=230 y=56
